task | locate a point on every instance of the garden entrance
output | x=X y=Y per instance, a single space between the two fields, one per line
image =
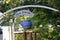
x=23 y=25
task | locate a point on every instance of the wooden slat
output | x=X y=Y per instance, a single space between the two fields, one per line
x=25 y=36
x=34 y=35
x=30 y=36
x=21 y=32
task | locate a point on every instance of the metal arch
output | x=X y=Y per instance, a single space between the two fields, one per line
x=26 y=6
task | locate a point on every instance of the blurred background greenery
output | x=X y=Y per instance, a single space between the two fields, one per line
x=41 y=16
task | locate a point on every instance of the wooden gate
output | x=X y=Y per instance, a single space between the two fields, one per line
x=28 y=35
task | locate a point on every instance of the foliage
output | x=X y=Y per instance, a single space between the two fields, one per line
x=41 y=16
